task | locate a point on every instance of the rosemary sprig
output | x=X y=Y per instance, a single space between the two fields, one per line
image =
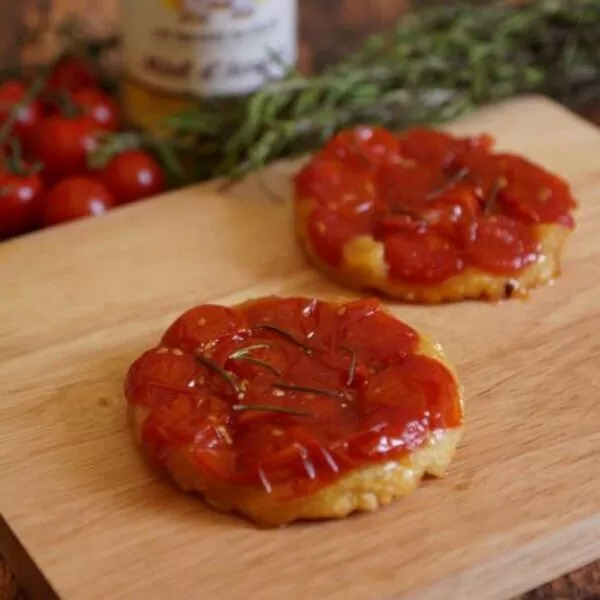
x=352 y=369
x=285 y=334
x=222 y=373
x=284 y=410
x=435 y=65
x=244 y=354
x=453 y=180
x=307 y=390
x=490 y=201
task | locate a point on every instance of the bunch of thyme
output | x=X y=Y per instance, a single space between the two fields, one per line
x=434 y=66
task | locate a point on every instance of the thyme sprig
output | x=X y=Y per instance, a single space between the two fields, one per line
x=307 y=390
x=244 y=354
x=220 y=371
x=435 y=65
x=284 y=334
x=284 y=410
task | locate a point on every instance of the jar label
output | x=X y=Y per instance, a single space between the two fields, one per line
x=208 y=47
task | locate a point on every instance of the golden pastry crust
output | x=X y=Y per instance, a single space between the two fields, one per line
x=364 y=268
x=364 y=489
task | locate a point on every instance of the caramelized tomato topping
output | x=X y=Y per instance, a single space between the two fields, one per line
x=286 y=395
x=422 y=257
x=418 y=192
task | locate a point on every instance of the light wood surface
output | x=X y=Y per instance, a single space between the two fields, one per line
x=79 y=303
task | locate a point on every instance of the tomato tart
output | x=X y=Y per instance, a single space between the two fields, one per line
x=290 y=408
x=427 y=217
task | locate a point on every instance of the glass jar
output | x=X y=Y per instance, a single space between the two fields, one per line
x=178 y=51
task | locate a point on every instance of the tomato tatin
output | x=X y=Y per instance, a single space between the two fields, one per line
x=291 y=408
x=427 y=217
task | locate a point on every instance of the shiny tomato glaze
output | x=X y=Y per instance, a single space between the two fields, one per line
x=438 y=203
x=286 y=395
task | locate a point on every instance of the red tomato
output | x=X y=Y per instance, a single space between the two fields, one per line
x=336 y=185
x=133 y=175
x=63 y=144
x=407 y=185
x=363 y=147
x=100 y=107
x=533 y=195
x=201 y=324
x=501 y=245
x=439 y=149
x=329 y=231
x=417 y=382
x=425 y=257
x=159 y=371
x=377 y=337
x=74 y=198
x=29 y=117
x=20 y=203
x=72 y=73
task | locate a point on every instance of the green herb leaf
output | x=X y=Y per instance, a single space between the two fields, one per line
x=270 y=408
x=435 y=65
x=285 y=334
x=307 y=390
x=213 y=366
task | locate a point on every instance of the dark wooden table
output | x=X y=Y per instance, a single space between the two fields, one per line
x=329 y=30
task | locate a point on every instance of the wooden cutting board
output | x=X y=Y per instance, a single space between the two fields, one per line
x=79 y=303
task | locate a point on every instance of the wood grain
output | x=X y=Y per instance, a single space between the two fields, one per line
x=521 y=504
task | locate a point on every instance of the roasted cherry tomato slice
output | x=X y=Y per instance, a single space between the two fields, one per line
x=336 y=186
x=292 y=315
x=199 y=328
x=363 y=148
x=422 y=257
x=439 y=149
x=311 y=322
x=159 y=370
x=407 y=186
x=533 y=195
x=329 y=231
x=501 y=245
x=419 y=385
x=377 y=337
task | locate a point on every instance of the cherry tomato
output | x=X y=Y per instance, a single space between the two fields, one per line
x=72 y=73
x=421 y=380
x=100 y=107
x=201 y=324
x=74 y=198
x=329 y=231
x=407 y=185
x=533 y=195
x=20 y=203
x=133 y=175
x=423 y=257
x=336 y=185
x=363 y=147
x=500 y=244
x=158 y=371
x=29 y=117
x=63 y=144
x=439 y=149
x=377 y=337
